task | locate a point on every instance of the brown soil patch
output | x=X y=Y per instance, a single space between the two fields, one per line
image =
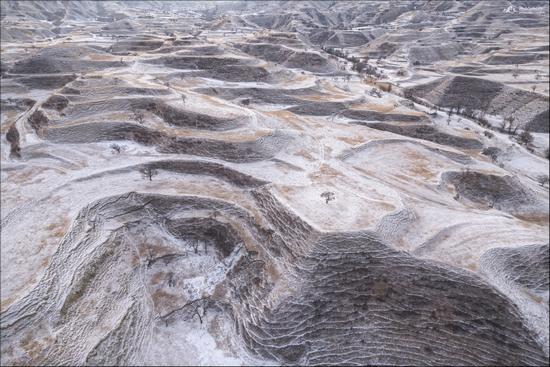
x=58 y=229
x=324 y=172
x=351 y=140
x=305 y=154
x=538 y=219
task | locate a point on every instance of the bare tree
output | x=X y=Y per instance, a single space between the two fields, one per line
x=509 y=125
x=183 y=98
x=196 y=246
x=525 y=138
x=148 y=172
x=328 y=196
x=116 y=148
x=198 y=307
x=534 y=88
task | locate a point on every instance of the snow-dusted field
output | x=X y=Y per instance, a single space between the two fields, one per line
x=206 y=185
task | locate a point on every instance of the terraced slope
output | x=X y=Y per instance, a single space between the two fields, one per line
x=195 y=183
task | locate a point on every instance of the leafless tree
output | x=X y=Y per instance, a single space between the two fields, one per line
x=183 y=98
x=509 y=125
x=148 y=172
x=195 y=245
x=534 y=88
x=525 y=138
x=116 y=148
x=328 y=196
x=198 y=306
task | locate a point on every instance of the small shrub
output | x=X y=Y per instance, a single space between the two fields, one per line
x=116 y=148
x=525 y=138
x=491 y=152
x=328 y=196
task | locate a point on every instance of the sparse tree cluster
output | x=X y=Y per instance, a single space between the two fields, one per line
x=335 y=52
x=509 y=125
x=361 y=66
